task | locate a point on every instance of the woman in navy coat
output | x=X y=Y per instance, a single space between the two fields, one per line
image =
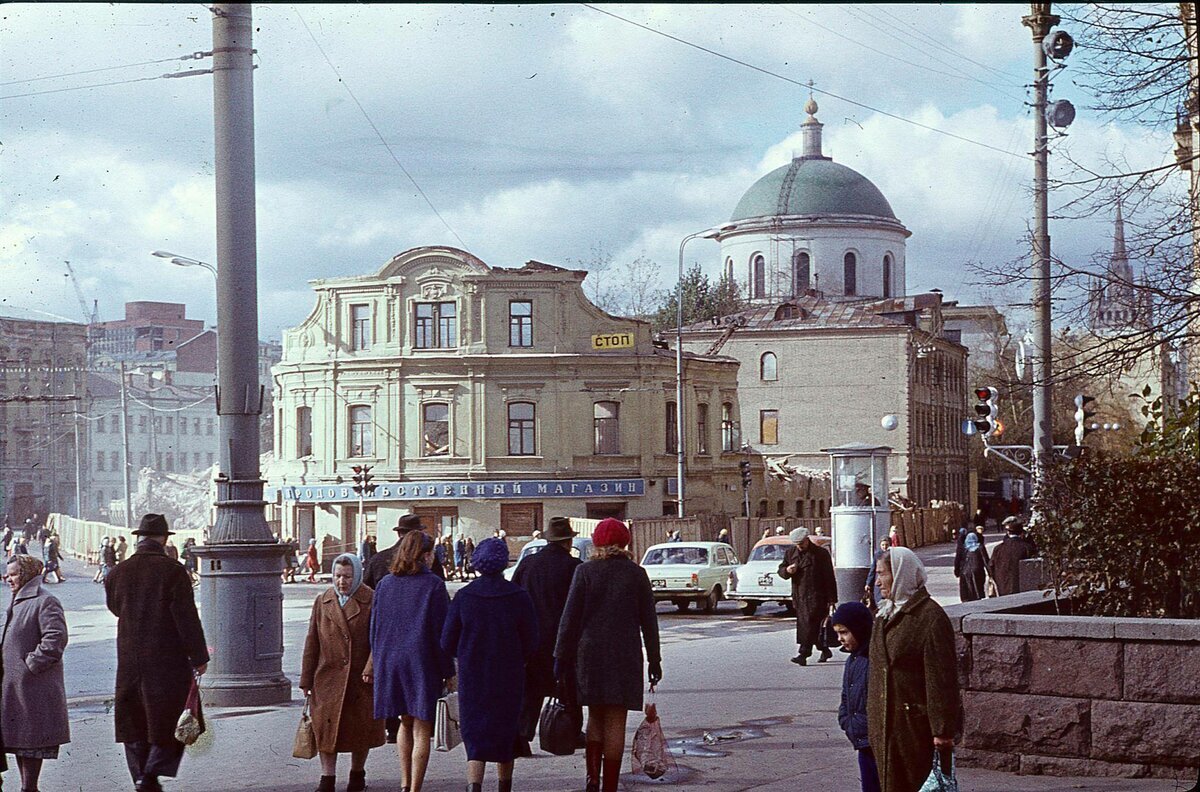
x=492 y=630
x=407 y=665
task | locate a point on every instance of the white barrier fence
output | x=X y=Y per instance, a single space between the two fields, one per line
x=81 y=538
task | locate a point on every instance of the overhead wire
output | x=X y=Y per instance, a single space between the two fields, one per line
x=378 y=134
x=192 y=56
x=86 y=87
x=779 y=76
x=957 y=54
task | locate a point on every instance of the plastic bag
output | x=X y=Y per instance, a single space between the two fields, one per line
x=650 y=753
x=190 y=725
x=559 y=727
x=941 y=780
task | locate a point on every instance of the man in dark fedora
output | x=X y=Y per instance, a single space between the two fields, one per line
x=160 y=651
x=380 y=566
x=546 y=575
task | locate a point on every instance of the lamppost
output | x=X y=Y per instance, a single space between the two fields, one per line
x=184 y=261
x=680 y=437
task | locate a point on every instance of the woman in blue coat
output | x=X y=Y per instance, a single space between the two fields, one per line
x=492 y=630
x=407 y=665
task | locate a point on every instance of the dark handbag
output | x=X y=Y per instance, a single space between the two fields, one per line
x=828 y=637
x=559 y=727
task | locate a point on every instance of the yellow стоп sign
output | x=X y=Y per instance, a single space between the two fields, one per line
x=612 y=341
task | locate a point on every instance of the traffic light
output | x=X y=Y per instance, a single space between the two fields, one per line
x=745 y=466
x=987 y=423
x=362 y=480
x=1082 y=414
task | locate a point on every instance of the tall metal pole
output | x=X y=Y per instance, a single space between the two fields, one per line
x=240 y=587
x=78 y=468
x=680 y=437
x=125 y=447
x=1039 y=21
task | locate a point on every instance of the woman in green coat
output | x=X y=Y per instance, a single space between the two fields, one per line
x=913 y=702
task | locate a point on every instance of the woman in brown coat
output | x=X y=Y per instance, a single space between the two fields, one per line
x=912 y=697
x=34 y=699
x=331 y=675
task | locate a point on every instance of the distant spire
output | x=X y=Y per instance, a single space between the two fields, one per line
x=810 y=130
x=1119 y=252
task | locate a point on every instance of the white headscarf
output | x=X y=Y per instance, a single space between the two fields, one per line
x=908 y=575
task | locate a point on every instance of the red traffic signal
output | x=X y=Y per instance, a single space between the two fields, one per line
x=985 y=393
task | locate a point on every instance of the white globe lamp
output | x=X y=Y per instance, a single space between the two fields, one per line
x=889 y=422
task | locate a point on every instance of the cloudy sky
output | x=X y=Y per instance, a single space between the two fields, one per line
x=537 y=132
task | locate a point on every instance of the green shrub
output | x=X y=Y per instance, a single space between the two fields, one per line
x=1123 y=532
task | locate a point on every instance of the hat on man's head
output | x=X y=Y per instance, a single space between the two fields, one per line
x=409 y=522
x=799 y=534
x=1014 y=524
x=558 y=530
x=153 y=525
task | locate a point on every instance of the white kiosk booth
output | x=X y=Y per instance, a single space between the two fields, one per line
x=860 y=513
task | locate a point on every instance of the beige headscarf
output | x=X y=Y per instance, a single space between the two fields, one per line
x=28 y=568
x=908 y=576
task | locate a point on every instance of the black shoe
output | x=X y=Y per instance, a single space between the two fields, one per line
x=358 y=781
x=328 y=784
x=825 y=655
x=390 y=738
x=148 y=784
x=800 y=660
x=522 y=750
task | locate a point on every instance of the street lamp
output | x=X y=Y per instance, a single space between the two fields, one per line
x=184 y=261
x=680 y=437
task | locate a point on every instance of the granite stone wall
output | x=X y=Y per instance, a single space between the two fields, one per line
x=1045 y=694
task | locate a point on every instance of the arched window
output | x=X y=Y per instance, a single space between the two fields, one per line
x=521 y=429
x=729 y=269
x=435 y=429
x=758 y=273
x=768 y=366
x=850 y=274
x=802 y=272
x=887 y=276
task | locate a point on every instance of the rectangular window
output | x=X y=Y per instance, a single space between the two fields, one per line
x=183 y=426
x=360 y=327
x=170 y=425
x=435 y=429
x=158 y=460
x=362 y=440
x=208 y=427
x=520 y=323
x=170 y=462
x=606 y=427
x=303 y=432
x=114 y=424
x=768 y=427
x=521 y=429
x=730 y=436
x=672 y=443
x=196 y=426
x=210 y=459
x=114 y=461
x=143 y=459
x=196 y=460
x=141 y=424
x=156 y=424
x=435 y=325
x=100 y=426
x=701 y=428
x=100 y=461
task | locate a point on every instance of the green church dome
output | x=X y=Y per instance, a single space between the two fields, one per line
x=812 y=186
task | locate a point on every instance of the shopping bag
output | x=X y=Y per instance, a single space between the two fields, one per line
x=991 y=589
x=190 y=725
x=828 y=638
x=305 y=744
x=650 y=753
x=446 y=734
x=941 y=779
x=559 y=727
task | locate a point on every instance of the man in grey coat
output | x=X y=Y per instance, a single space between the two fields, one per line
x=814 y=592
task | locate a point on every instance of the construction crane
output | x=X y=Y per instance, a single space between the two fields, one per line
x=89 y=317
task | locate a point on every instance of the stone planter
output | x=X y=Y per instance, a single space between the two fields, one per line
x=1048 y=694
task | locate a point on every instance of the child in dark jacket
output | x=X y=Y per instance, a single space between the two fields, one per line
x=852 y=623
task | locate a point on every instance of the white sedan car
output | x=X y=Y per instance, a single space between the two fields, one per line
x=581 y=548
x=757 y=581
x=683 y=572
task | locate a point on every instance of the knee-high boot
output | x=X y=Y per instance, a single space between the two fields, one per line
x=594 y=754
x=612 y=773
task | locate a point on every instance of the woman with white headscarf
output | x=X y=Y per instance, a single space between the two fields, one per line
x=913 y=704
x=331 y=674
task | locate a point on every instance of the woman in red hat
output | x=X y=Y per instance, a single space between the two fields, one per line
x=609 y=613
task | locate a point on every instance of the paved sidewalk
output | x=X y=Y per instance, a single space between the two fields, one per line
x=725 y=674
